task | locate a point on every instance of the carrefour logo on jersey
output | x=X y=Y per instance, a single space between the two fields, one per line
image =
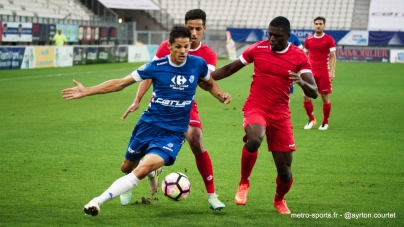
x=179 y=82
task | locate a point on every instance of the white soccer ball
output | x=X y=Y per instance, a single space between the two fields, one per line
x=176 y=186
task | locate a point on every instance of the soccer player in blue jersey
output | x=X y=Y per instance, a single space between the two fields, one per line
x=159 y=133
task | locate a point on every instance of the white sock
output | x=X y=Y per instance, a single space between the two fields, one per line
x=120 y=186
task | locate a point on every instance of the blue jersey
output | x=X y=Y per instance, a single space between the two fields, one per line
x=174 y=88
x=293 y=39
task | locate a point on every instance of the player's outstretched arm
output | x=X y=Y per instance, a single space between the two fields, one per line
x=227 y=70
x=141 y=90
x=215 y=90
x=306 y=82
x=106 y=87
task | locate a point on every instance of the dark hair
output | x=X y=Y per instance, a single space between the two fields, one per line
x=281 y=22
x=319 y=18
x=179 y=32
x=195 y=14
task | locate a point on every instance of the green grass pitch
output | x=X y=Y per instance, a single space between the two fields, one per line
x=56 y=155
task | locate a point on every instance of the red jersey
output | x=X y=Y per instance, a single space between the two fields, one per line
x=271 y=84
x=319 y=49
x=202 y=51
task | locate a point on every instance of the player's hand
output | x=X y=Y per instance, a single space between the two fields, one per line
x=74 y=92
x=131 y=108
x=295 y=77
x=332 y=76
x=224 y=97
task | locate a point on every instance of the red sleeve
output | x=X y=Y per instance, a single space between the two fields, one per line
x=210 y=57
x=163 y=50
x=249 y=53
x=306 y=43
x=305 y=64
x=331 y=42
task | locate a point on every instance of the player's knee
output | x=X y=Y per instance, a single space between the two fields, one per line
x=253 y=144
x=285 y=176
x=125 y=169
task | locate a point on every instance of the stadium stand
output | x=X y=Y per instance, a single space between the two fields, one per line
x=71 y=9
x=258 y=13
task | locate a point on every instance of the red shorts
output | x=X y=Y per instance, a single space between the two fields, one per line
x=278 y=127
x=323 y=81
x=194 y=119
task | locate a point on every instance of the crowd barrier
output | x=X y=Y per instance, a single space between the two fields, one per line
x=30 y=57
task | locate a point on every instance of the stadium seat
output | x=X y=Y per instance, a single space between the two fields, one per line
x=5 y=12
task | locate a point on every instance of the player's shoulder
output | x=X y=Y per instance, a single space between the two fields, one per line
x=195 y=58
x=310 y=37
x=164 y=43
x=328 y=36
x=264 y=44
x=159 y=62
x=207 y=50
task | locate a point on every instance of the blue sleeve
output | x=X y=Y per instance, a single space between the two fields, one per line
x=146 y=71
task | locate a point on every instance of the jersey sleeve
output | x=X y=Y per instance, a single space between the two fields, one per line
x=331 y=44
x=305 y=66
x=211 y=59
x=143 y=72
x=247 y=56
x=162 y=51
x=205 y=74
x=306 y=45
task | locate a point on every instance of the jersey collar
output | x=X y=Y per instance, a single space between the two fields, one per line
x=200 y=44
x=282 y=51
x=175 y=65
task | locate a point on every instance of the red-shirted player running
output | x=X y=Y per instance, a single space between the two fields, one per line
x=320 y=48
x=266 y=111
x=195 y=21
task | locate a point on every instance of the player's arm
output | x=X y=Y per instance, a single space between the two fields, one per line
x=215 y=90
x=202 y=85
x=106 y=87
x=306 y=81
x=227 y=70
x=141 y=91
x=333 y=63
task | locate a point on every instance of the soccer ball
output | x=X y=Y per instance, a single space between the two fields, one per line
x=176 y=186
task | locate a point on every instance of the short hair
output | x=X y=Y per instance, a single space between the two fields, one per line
x=179 y=32
x=195 y=14
x=281 y=22
x=319 y=18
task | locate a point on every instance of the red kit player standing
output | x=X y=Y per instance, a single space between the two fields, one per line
x=320 y=48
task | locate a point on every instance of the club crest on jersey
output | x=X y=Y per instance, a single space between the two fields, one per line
x=179 y=82
x=191 y=79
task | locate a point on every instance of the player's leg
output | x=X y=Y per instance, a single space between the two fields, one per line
x=325 y=92
x=202 y=158
x=308 y=106
x=284 y=180
x=127 y=167
x=254 y=126
x=151 y=162
x=281 y=142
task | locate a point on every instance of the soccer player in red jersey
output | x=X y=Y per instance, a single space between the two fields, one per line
x=195 y=21
x=266 y=110
x=320 y=48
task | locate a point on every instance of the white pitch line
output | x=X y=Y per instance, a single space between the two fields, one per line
x=64 y=74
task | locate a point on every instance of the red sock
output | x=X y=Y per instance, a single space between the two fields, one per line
x=326 y=112
x=308 y=106
x=282 y=188
x=247 y=163
x=205 y=168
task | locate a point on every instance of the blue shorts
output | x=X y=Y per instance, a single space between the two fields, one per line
x=150 y=138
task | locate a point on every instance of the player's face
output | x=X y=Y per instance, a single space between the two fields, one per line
x=277 y=38
x=179 y=50
x=319 y=26
x=197 y=29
